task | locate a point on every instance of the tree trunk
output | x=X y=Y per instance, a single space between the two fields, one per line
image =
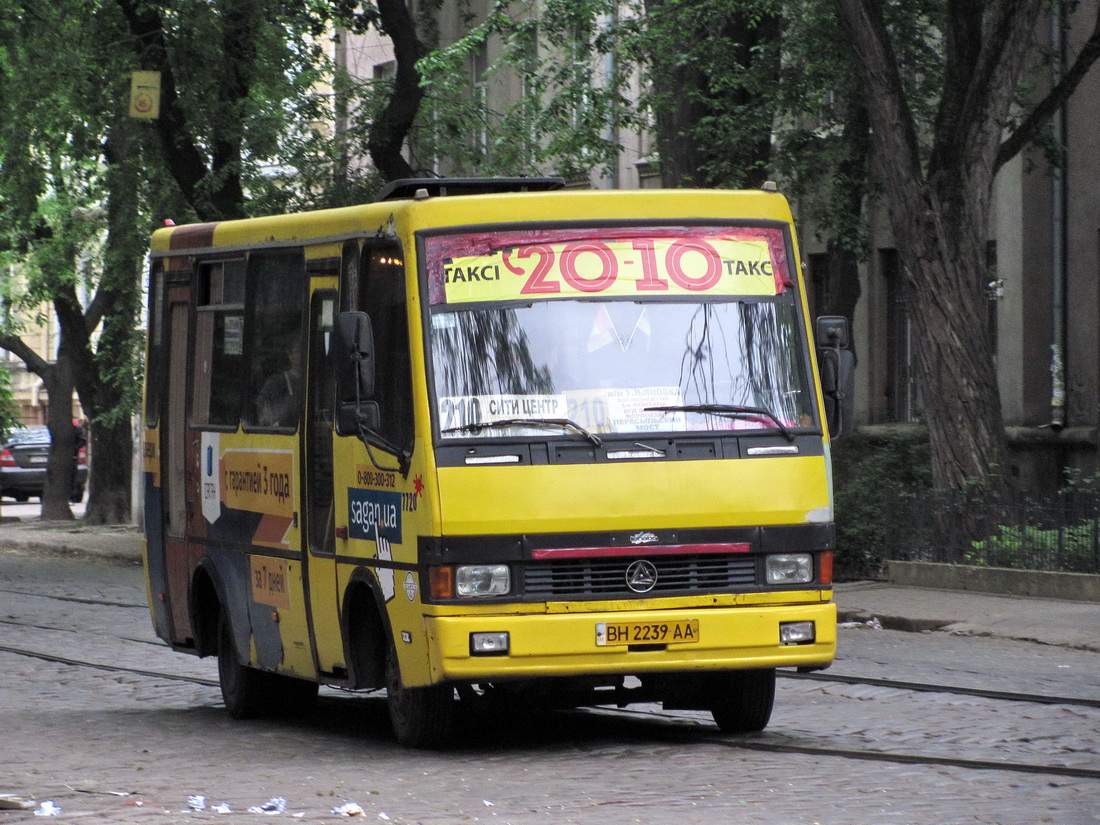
x=940 y=218
x=109 y=399
x=840 y=290
x=109 y=496
x=676 y=106
x=941 y=249
x=840 y=293
x=61 y=469
x=687 y=104
x=391 y=127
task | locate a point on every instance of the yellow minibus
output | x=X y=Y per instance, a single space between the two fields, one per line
x=493 y=440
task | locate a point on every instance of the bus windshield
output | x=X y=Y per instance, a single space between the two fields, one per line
x=615 y=333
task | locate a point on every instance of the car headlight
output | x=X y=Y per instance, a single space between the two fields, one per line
x=790 y=568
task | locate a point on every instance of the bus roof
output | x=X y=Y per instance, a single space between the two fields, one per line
x=419 y=212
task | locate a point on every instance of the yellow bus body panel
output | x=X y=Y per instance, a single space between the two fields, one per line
x=625 y=496
x=563 y=645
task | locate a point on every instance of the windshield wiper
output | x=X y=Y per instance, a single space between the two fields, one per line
x=565 y=423
x=732 y=410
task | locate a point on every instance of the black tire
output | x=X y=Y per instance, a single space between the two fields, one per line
x=77 y=496
x=245 y=690
x=421 y=717
x=250 y=693
x=742 y=700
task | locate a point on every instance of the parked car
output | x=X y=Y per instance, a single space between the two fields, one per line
x=24 y=453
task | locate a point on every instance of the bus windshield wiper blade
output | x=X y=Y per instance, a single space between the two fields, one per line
x=734 y=410
x=566 y=423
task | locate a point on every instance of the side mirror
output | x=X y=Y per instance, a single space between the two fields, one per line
x=353 y=354
x=837 y=365
x=353 y=362
x=832 y=331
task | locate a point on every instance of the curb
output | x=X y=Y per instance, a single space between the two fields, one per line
x=904 y=623
x=1081 y=587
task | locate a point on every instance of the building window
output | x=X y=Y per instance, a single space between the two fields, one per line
x=385 y=72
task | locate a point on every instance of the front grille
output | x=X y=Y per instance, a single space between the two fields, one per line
x=606 y=577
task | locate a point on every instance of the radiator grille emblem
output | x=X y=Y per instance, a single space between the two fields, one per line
x=641 y=576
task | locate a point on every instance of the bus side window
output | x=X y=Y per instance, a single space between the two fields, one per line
x=219 y=344
x=382 y=297
x=278 y=287
x=156 y=361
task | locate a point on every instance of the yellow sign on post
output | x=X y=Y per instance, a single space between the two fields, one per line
x=145 y=95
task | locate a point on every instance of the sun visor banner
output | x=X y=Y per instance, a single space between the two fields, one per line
x=689 y=261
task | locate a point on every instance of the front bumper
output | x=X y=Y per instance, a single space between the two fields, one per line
x=546 y=645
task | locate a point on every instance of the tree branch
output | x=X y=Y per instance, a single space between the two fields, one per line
x=888 y=111
x=1006 y=43
x=17 y=346
x=186 y=163
x=1027 y=131
x=388 y=132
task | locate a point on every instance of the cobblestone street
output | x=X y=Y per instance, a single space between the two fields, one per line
x=125 y=745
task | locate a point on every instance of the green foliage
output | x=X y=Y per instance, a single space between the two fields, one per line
x=1060 y=533
x=81 y=184
x=1066 y=549
x=566 y=97
x=869 y=471
x=579 y=73
x=822 y=133
x=709 y=77
x=9 y=413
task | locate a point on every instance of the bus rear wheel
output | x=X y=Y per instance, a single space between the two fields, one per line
x=243 y=688
x=741 y=701
x=249 y=693
x=421 y=717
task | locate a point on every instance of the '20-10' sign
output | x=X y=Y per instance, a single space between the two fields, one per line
x=617 y=267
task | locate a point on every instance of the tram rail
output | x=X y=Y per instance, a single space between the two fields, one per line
x=757 y=742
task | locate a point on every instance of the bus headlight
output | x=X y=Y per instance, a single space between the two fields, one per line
x=790 y=568
x=481 y=580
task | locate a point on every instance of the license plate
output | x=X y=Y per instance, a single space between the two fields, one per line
x=647 y=633
x=36 y=459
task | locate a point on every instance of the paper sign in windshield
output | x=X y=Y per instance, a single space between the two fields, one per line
x=627 y=409
x=635 y=267
x=468 y=410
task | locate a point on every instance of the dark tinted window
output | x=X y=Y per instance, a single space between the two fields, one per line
x=382 y=297
x=278 y=291
x=219 y=344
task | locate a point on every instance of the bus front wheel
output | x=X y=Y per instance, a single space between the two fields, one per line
x=742 y=700
x=421 y=717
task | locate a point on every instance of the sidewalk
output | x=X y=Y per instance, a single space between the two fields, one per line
x=1048 y=621
x=116 y=543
